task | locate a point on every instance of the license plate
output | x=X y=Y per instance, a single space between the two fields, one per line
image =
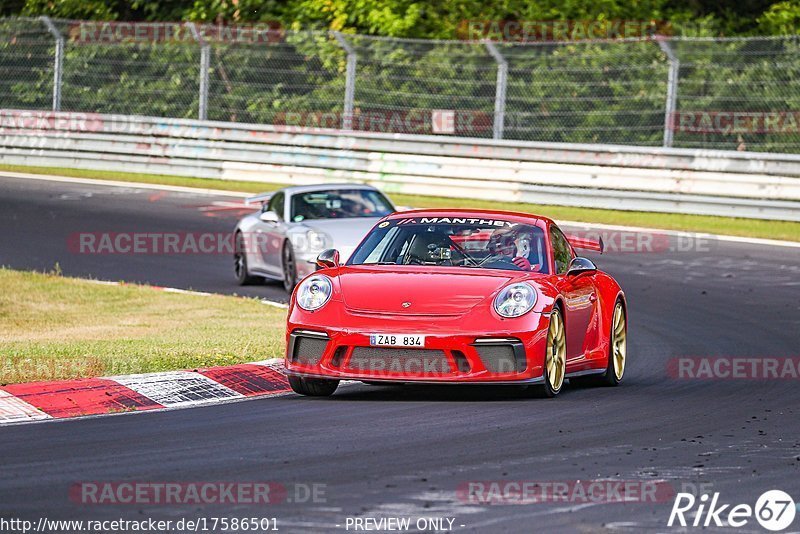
x=396 y=340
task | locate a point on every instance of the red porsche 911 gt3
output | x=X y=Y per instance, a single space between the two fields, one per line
x=458 y=296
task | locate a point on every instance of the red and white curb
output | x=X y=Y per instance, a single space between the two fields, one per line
x=37 y=401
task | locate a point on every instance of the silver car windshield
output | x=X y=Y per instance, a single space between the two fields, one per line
x=339 y=204
x=476 y=243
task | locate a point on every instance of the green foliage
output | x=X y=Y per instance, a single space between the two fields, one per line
x=782 y=18
x=71 y=9
x=137 y=79
x=434 y=19
x=609 y=92
x=234 y=11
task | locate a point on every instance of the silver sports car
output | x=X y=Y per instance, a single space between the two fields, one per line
x=282 y=240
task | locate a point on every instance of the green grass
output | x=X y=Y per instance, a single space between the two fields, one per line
x=789 y=231
x=53 y=327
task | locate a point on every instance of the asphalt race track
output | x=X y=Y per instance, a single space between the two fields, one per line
x=38 y=218
x=405 y=451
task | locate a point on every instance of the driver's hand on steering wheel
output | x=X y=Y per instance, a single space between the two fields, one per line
x=522 y=263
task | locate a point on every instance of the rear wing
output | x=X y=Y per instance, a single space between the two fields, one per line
x=263 y=198
x=596 y=245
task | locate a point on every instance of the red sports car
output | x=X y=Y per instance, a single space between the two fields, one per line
x=458 y=296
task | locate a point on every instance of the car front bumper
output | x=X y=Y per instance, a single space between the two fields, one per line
x=456 y=350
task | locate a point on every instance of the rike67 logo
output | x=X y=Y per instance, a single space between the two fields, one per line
x=774 y=510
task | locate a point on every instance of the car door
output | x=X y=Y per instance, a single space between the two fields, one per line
x=270 y=236
x=578 y=291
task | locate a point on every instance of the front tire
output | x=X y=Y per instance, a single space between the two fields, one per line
x=289 y=268
x=313 y=387
x=240 y=269
x=617 y=347
x=617 y=353
x=555 y=360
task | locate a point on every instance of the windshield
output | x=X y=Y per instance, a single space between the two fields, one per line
x=339 y=204
x=454 y=242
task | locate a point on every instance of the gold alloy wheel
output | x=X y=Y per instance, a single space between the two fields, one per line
x=619 y=341
x=556 y=360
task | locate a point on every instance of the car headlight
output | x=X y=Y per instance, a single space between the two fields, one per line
x=318 y=241
x=515 y=300
x=314 y=292
x=310 y=241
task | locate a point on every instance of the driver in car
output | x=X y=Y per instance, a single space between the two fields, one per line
x=516 y=247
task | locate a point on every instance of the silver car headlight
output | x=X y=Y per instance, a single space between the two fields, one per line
x=515 y=300
x=310 y=241
x=314 y=292
x=318 y=241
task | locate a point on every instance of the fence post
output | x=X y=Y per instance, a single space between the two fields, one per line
x=500 y=90
x=672 y=90
x=58 y=63
x=205 y=66
x=350 y=81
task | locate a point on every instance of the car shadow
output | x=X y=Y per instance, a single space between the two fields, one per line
x=446 y=393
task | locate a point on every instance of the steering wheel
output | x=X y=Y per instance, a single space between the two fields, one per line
x=467 y=257
x=495 y=258
x=409 y=259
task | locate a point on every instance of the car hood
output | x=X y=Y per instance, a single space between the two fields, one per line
x=345 y=233
x=453 y=291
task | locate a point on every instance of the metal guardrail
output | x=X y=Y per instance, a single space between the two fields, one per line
x=741 y=184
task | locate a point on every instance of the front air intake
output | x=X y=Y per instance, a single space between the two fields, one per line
x=501 y=355
x=307 y=348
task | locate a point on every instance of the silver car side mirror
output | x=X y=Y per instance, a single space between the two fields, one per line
x=269 y=216
x=580 y=265
x=328 y=258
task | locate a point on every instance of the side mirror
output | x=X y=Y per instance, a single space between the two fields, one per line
x=328 y=258
x=580 y=265
x=269 y=216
